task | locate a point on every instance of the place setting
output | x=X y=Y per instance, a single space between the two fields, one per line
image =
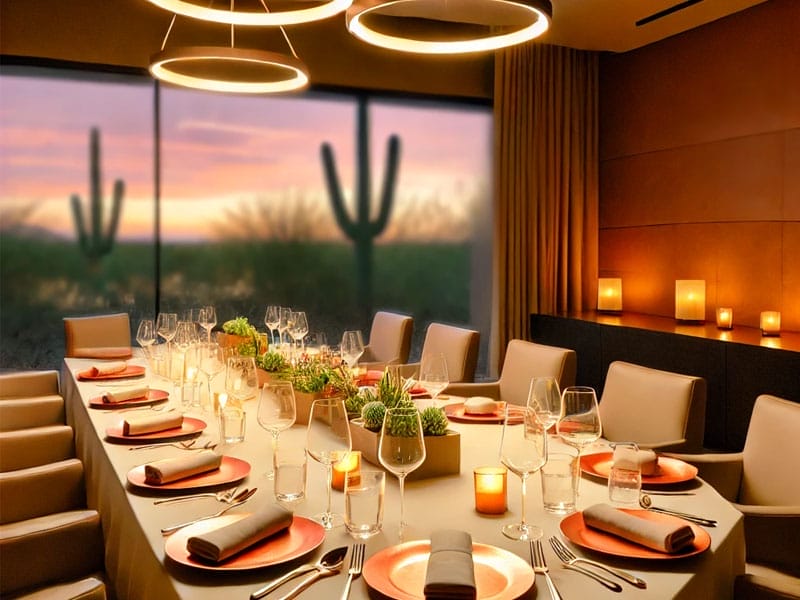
x=126 y=397
x=111 y=370
x=154 y=425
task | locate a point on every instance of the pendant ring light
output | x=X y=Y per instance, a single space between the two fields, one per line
x=266 y=18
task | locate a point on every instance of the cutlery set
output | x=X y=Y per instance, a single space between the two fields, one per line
x=646 y=503
x=243 y=497
x=186 y=445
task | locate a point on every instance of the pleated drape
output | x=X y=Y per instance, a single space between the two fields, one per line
x=546 y=186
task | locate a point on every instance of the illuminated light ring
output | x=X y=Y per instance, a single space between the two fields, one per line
x=233 y=17
x=162 y=63
x=540 y=23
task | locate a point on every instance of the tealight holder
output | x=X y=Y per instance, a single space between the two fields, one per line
x=725 y=318
x=350 y=465
x=770 y=323
x=491 y=490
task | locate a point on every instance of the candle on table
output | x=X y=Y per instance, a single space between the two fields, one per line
x=349 y=465
x=490 y=490
x=770 y=322
x=609 y=294
x=725 y=318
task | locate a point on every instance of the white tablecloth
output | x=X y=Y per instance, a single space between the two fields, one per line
x=135 y=558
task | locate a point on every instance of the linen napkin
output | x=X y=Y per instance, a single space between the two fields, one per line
x=126 y=394
x=139 y=424
x=98 y=370
x=661 y=536
x=451 y=572
x=222 y=543
x=180 y=467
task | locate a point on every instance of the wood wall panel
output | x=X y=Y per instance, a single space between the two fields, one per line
x=790 y=302
x=791 y=179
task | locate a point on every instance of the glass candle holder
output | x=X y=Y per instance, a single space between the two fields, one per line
x=770 y=322
x=349 y=465
x=725 y=318
x=491 y=490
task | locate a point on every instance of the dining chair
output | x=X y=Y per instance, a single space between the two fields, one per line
x=460 y=348
x=656 y=409
x=762 y=483
x=523 y=361
x=98 y=336
x=30 y=399
x=389 y=340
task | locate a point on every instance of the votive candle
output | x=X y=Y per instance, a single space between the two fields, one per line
x=349 y=465
x=770 y=322
x=609 y=294
x=490 y=490
x=725 y=318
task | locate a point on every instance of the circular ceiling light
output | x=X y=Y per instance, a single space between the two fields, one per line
x=261 y=17
x=224 y=69
x=442 y=27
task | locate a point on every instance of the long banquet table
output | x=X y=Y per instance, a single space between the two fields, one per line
x=139 y=570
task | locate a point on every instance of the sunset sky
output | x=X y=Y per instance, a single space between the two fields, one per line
x=221 y=153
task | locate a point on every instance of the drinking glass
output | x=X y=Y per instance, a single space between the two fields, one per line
x=401 y=448
x=328 y=442
x=241 y=380
x=167 y=325
x=276 y=411
x=544 y=398
x=299 y=328
x=579 y=423
x=523 y=450
x=191 y=369
x=207 y=319
x=146 y=334
x=212 y=363
x=352 y=347
x=272 y=319
x=433 y=374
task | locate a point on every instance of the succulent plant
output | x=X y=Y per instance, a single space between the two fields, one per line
x=434 y=421
x=372 y=413
x=391 y=392
x=403 y=423
x=273 y=362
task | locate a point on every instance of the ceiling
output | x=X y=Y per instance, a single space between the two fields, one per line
x=126 y=32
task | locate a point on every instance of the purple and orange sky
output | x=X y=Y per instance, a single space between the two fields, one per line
x=223 y=155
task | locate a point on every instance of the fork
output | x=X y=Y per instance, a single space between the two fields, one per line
x=570 y=564
x=569 y=557
x=540 y=566
x=187 y=445
x=356 y=564
x=241 y=499
x=223 y=496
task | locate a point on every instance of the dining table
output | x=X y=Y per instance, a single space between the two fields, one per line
x=139 y=567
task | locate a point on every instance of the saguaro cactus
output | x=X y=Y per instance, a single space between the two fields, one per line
x=96 y=243
x=361 y=228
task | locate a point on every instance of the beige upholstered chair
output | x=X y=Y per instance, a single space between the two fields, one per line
x=656 y=409
x=30 y=399
x=524 y=361
x=389 y=340
x=763 y=482
x=459 y=345
x=100 y=336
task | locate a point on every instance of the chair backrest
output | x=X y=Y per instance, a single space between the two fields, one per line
x=99 y=336
x=459 y=346
x=771 y=454
x=390 y=338
x=525 y=360
x=651 y=407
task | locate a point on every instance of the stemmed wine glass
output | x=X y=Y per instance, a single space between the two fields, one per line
x=544 y=398
x=523 y=450
x=352 y=347
x=276 y=411
x=579 y=422
x=146 y=335
x=328 y=442
x=185 y=369
x=284 y=322
x=433 y=374
x=299 y=329
x=401 y=448
x=207 y=319
x=167 y=325
x=241 y=380
x=212 y=363
x=272 y=319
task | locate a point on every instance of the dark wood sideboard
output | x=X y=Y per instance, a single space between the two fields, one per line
x=737 y=365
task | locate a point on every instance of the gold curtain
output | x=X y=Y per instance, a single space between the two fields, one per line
x=546 y=185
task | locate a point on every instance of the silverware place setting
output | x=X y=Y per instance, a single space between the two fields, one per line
x=243 y=497
x=647 y=503
x=332 y=559
x=226 y=496
x=571 y=560
x=539 y=564
x=185 y=445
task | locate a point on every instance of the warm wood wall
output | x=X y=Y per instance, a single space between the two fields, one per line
x=700 y=166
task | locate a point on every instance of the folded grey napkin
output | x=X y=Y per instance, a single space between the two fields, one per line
x=657 y=535
x=126 y=394
x=137 y=425
x=173 y=469
x=222 y=543
x=451 y=572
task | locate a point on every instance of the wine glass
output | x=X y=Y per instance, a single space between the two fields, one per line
x=299 y=329
x=241 y=380
x=401 y=448
x=212 y=363
x=276 y=411
x=167 y=325
x=146 y=335
x=352 y=347
x=207 y=318
x=328 y=442
x=523 y=450
x=283 y=322
x=579 y=422
x=433 y=374
x=272 y=319
x=544 y=398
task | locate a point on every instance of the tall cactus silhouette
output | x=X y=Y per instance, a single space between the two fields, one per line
x=96 y=243
x=361 y=228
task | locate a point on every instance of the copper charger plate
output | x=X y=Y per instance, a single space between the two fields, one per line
x=189 y=427
x=576 y=531
x=399 y=572
x=455 y=412
x=671 y=470
x=130 y=371
x=303 y=536
x=152 y=397
x=230 y=470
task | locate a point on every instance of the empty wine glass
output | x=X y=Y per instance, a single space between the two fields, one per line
x=146 y=335
x=352 y=347
x=401 y=448
x=433 y=374
x=276 y=411
x=167 y=325
x=328 y=442
x=299 y=328
x=241 y=380
x=212 y=363
x=523 y=450
x=284 y=322
x=579 y=422
x=272 y=319
x=544 y=398
x=207 y=318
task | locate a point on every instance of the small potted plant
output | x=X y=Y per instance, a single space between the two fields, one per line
x=240 y=336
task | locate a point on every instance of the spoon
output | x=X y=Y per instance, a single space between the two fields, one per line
x=331 y=560
x=646 y=502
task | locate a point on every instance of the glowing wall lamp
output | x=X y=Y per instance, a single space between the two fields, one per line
x=690 y=300
x=770 y=322
x=609 y=294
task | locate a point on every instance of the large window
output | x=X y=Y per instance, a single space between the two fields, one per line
x=246 y=218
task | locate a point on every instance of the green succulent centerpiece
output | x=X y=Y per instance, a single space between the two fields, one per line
x=241 y=327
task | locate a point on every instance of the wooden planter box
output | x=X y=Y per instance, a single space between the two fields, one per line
x=442 y=452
